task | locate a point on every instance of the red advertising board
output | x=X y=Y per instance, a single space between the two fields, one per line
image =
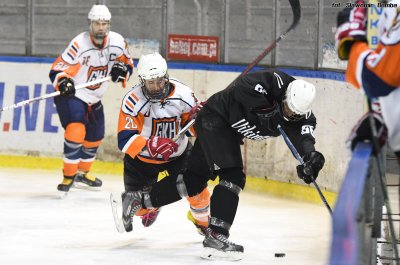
x=193 y=48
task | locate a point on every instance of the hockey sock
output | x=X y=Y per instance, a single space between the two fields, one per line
x=225 y=197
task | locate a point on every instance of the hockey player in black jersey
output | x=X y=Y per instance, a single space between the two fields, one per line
x=252 y=107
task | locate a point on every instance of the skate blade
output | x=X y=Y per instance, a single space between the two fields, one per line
x=62 y=195
x=83 y=186
x=214 y=254
x=116 y=206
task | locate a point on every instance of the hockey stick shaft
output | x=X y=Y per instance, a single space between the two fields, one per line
x=183 y=130
x=54 y=94
x=298 y=157
x=296 y=9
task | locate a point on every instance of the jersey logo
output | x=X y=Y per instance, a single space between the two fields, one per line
x=243 y=127
x=60 y=66
x=96 y=73
x=307 y=129
x=260 y=89
x=165 y=127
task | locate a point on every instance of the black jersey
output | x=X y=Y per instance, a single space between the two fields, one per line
x=239 y=106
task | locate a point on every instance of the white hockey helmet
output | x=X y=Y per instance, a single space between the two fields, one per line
x=300 y=96
x=151 y=66
x=152 y=71
x=99 y=12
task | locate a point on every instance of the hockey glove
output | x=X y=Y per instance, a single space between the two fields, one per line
x=193 y=112
x=351 y=27
x=270 y=117
x=161 y=146
x=66 y=86
x=313 y=163
x=118 y=72
x=362 y=132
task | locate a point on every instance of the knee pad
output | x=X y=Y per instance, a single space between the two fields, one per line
x=232 y=179
x=75 y=132
x=190 y=185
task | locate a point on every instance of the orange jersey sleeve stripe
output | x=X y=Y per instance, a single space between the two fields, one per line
x=62 y=66
x=135 y=145
x=76 y=44
x=72 y=52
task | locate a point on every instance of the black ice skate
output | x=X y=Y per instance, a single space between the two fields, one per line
x=66 y=184
x=217 y=246
x=86 y=181
x=124 y=206
x=131 y=203
x=149 y=218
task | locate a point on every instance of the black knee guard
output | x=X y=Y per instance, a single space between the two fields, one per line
x=190 y=184
x=225 y=199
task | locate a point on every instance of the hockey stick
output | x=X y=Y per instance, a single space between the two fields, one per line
x=298 y=157
x=296 y=9
x=183 y=130
x=54 y=94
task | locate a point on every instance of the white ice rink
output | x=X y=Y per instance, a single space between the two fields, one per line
x=36 y=228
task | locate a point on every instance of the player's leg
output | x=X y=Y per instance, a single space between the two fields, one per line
x=138 y=177
x=95 y=131
x=199 y=204
x=166 y=191
x=71 y=112
x=221 y=147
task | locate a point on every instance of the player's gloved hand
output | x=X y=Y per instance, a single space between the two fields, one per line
x=193 y=112
x=66 y=86
x=351 y=27
x=161 y=146
x=270 y=117
x=362 y=132
x=313 y=163
x=118 y=72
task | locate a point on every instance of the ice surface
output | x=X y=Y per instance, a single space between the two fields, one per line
x=38 y=228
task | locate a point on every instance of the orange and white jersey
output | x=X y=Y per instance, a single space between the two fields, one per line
x=378 y=71
x=140 y=118
x=84 y=62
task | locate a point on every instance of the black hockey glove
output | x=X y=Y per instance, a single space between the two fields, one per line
x=351 y=27
x=313 y=163
x=270 y=117
x=66 y=87
x=118 y=72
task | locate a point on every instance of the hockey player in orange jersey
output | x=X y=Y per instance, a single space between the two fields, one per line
x=151 y=115
x=91 y=55
x=377 y=72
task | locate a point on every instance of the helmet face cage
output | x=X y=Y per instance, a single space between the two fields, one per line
x=97 y=34
x=98 y=16
x=158 y=94
x=290 y=115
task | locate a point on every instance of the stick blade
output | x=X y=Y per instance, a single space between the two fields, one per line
x=296 y=9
